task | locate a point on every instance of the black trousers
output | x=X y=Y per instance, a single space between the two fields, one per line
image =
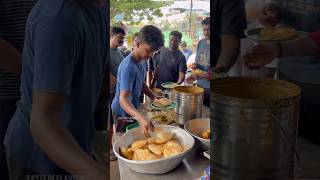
x=7 y=109
x=309 y=115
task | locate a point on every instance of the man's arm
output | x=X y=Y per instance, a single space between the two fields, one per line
x=150 y=71
x=262 y=54
x=155 y=62
x=155 y=77
x=301 y=47
x=181 y=77
x=10 y=58
x=233 y=24
x=56 y=142
x=182 y=69
x=146 y=90
x=149 y=77
x=230 y=48
x=113 y=79
x=127 y=106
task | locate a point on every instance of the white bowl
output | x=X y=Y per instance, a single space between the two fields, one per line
x=159 y=166
x=196 y=127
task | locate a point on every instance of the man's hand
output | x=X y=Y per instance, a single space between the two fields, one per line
x=145 y=126
x=191 y=79
x=192 y=66
x=261 y=55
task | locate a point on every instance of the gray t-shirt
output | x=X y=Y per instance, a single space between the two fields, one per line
x=170 y=64
x=116 y=57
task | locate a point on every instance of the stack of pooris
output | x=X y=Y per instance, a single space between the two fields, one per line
x=161 y=145
x=162 y=102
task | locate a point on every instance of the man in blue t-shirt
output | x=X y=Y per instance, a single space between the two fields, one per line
x=131 y=79
x=185 y=50
x=63 y=66
x=202 y=61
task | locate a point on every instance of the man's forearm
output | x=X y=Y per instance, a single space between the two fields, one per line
x=155 y=77
x=300 y=47
x=149 y=77
x=181 y=77
x=146 y=90
x=59 y=145
x=113 y=79
x=229 y=51
x=10 y=58
x=128 y=107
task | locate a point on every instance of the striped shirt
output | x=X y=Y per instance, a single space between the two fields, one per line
x=13 y=17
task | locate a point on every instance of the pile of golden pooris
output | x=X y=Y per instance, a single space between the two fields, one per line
x=161 y=145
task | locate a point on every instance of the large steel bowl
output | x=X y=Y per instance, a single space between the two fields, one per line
x=196 y=127
x=159 y=166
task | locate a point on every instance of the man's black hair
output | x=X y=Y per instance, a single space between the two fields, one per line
x=151 y=35
x=117 y=30
x=206 y=21
x=135 y=35
x=176 y=34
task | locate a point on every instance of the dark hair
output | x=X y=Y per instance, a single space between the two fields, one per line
x=273 y=8
x=117 y=30
x=151 y=35
x=135 y=35
x=184 y=44
x=206 y=21
x=177 y=34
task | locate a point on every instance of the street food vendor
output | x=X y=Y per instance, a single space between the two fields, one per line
x=170 y=64
x=131 y=80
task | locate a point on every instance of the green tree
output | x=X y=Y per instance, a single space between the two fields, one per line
x=134 y=11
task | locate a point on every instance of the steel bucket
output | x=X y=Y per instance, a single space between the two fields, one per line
x=255 y=124
x=189 y=103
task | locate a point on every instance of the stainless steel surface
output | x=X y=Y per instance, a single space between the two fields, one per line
x=189 y=105
x=249 y=144
x=158 y=166
x=196 y=127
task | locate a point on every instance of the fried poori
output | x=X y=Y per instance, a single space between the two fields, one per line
x=156 y=149
x=143 y=154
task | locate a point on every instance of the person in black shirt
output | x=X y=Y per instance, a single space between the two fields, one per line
x=170 y=64
x=228 y=26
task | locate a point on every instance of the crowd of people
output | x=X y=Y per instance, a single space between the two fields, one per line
x=147 y=66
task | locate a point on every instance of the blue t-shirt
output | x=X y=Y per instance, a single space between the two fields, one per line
x=65 y=52
x=203 y=61
x=187 y=53
x=131 y=76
